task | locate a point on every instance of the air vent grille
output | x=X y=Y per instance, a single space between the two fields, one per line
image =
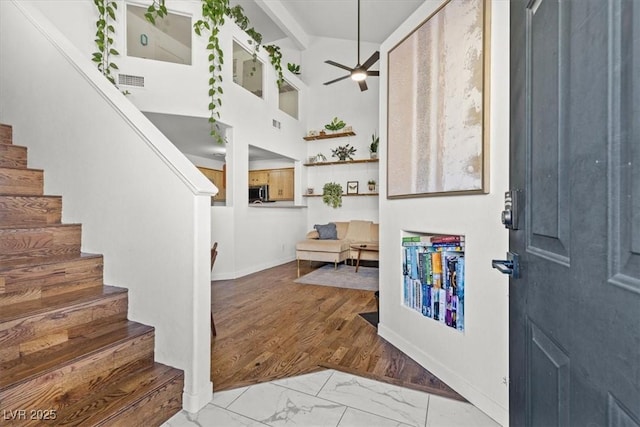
x=129 y=80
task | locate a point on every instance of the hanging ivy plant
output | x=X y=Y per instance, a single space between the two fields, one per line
x=213 y=13
x=104 y=38
x=276 y=60
x=156 y=10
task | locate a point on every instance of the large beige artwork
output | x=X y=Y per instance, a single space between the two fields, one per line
x=437 y=107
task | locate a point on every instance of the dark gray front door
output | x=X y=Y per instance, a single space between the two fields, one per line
x=575 y=154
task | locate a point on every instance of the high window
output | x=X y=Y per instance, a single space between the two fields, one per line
x=288 y=101
x=169 y=40
x=247 y=70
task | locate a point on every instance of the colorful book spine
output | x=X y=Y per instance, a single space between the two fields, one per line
x=442 y=301
x=443 y=239
x=436 y=268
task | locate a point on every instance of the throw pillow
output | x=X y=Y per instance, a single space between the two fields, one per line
x=327 y=231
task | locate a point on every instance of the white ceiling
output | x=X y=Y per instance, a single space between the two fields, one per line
x=334 y=18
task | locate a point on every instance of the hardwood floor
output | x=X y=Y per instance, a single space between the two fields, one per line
x=270 y=328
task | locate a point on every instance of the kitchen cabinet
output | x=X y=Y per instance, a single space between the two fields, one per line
x=217 y=177
x=259 y=177
x=281 y=184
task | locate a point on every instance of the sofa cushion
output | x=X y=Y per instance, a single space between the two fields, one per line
x=326 y=231
x=313 y=234
x=341 y=228
x=359 y=231
x=312 y=245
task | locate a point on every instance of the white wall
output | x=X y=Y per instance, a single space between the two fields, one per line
x=105 y=158
x=474 y=363
x=357 y=109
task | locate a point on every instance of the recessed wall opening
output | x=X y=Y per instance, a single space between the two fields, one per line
x=247 y=70
x=288 y=99
x=433 y=276
x=169 y=40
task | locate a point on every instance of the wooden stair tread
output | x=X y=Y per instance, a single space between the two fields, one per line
x=52 y=259
x=38 y=226
x=104 y=408
x=84 y=341
x=57 y=302
x=21 y=169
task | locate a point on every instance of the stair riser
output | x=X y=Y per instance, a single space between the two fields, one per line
x=40 y=326
x=13 y=156
x=33 y=293
x=30 y=210
x=70 y=383
x=51 y=279
x=6 y=134
x=154 y=410
x=21 y=243
x=21 y=181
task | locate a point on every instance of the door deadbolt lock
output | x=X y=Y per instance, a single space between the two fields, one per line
x=510 y=215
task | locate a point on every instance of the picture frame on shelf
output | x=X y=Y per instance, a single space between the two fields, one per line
x=352 y=187
x=438 y=111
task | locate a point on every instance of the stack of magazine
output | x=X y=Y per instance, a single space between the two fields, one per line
x=433 y=277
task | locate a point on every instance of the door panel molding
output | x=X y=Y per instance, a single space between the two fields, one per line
x=619 y=415
x=623 y=151
x=548 y=379
x=548 y=222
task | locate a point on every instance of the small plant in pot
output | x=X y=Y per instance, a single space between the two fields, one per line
x=335 y=125
x=372 y=184
x=332 y=194
x=343 y=152
x=373 y=147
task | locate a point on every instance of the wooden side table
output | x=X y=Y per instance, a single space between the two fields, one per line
x=372 y=247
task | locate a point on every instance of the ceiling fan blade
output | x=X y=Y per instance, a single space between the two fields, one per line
x=363 y=85
x=372 y=60
x=337 y=80
x=335 y=64
x=373 y=73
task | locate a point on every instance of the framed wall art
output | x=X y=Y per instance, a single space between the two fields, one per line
x=352 y=187
x=438 y=104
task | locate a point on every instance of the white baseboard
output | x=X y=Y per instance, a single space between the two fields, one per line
x=479 y=399
x=194 y=402
x=250 y=270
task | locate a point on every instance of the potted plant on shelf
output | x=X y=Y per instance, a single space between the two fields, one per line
x=335 y=125
x=332 y=194
x=294 y=68
x=343 y=152
x=372 y=184
x=321 y=158
x=373 y=147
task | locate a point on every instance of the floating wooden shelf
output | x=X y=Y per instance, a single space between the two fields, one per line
x=344 y=162
x=329 y=135
x=343 y=195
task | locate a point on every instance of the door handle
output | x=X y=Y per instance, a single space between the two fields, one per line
x=509 y=266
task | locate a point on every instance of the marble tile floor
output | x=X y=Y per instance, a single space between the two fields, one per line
x=333 y=399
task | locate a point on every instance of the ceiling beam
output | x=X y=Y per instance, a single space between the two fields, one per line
x=287 y=23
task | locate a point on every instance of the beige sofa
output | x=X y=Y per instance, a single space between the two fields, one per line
x=356 y=231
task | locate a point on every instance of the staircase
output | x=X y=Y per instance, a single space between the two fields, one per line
x=68 y=354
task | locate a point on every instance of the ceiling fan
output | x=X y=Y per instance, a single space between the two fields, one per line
x=360 y=72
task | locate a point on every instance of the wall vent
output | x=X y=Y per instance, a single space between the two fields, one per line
x=129 y=80
x=275 y=123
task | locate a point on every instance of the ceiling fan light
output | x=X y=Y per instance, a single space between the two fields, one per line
x=358 y=75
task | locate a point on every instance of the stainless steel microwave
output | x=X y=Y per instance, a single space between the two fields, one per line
x=258 y=193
